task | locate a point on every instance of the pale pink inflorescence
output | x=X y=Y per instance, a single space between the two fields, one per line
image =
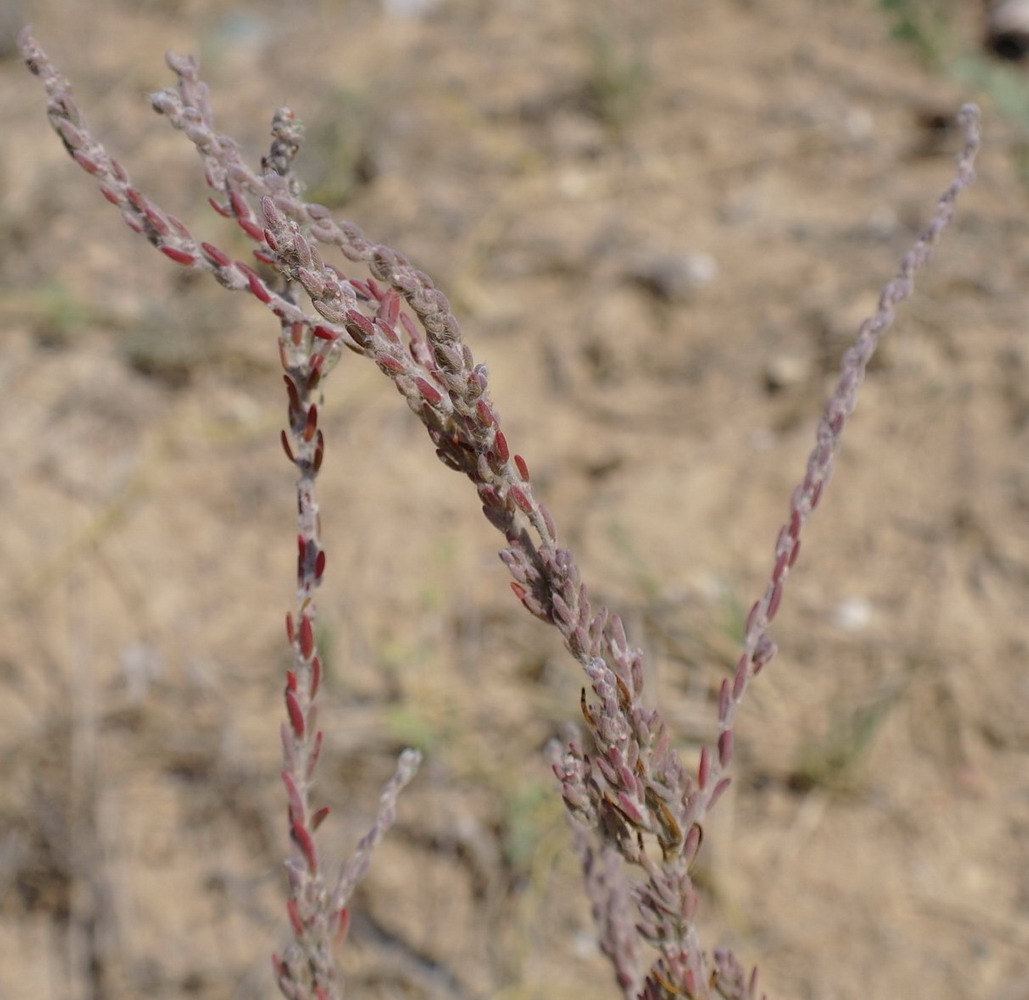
x=635 y=805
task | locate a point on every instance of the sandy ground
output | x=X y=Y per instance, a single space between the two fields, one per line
x=659 y=224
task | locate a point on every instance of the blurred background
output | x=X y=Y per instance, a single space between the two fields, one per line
x=660 y=224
